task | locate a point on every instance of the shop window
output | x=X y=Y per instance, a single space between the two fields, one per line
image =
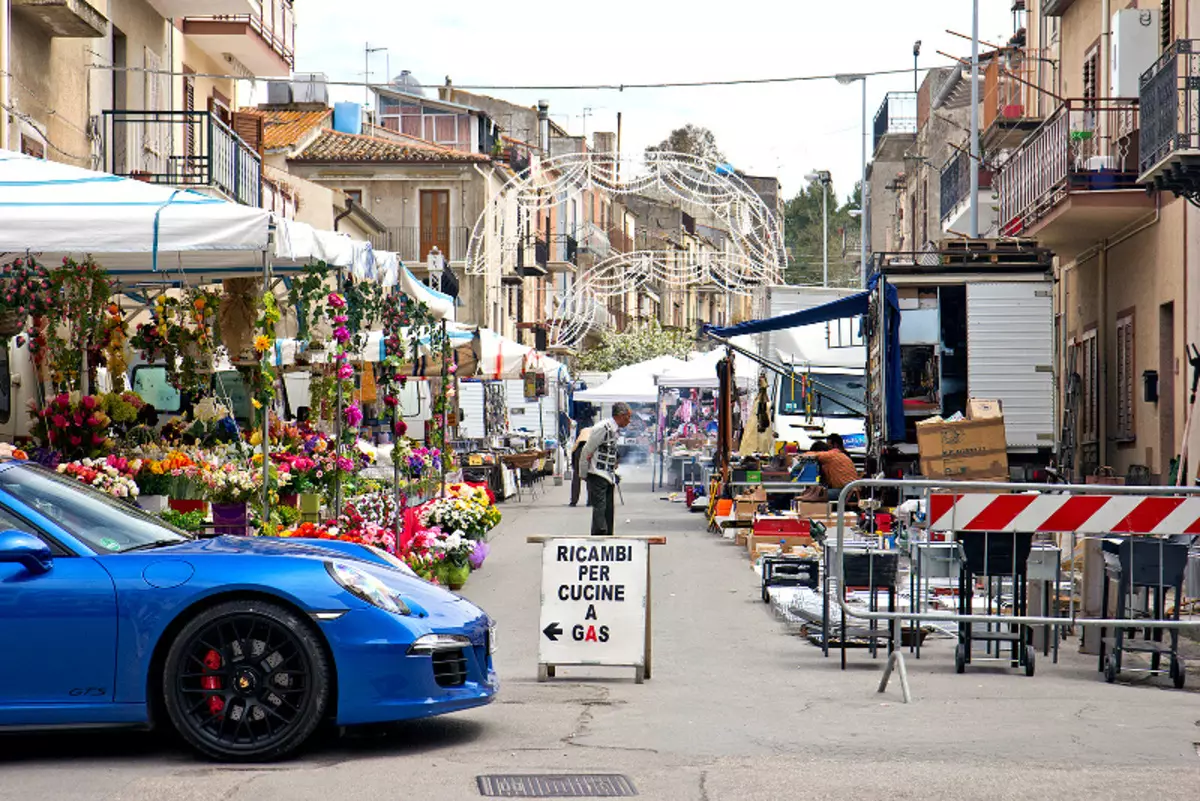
x=1125 y=378
x=845 y=332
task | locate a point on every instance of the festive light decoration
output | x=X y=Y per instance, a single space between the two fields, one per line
x=710 y=192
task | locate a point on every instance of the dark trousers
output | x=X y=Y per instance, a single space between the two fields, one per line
x=601 y=497
x=576 y=479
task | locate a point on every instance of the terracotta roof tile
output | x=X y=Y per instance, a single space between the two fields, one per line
x=340 y=147
x=283 y=128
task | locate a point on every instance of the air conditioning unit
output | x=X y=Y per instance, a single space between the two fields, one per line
x=279 y=93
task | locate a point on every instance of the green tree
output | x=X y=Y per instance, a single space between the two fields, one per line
x=636 y=344
x=803 y=237
x=694 y=140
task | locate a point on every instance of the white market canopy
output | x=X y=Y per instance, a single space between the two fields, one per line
x=142 y=232
x=633 y=383
x=701 y=372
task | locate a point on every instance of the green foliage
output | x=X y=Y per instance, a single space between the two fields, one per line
x=636 y=344
x=802 y=234
x=694 y=140
x=187 y=521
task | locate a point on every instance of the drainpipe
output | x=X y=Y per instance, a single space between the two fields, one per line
x=1102 y=354
x=1104 y=79
x=5 y=44
x=349 y=210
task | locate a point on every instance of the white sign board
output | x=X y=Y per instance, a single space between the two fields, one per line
x=593 y=602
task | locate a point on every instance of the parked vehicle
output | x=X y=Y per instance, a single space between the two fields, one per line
x=974 y=320
x=245 y=645
x=824 y=390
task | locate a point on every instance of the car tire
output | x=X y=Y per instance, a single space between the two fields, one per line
x=246 y=681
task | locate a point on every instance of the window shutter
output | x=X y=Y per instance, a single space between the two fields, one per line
x=250 y=128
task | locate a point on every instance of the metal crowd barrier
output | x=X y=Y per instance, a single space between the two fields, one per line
x=1095 y=511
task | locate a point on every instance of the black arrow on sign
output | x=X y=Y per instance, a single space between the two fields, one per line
x=552 y=631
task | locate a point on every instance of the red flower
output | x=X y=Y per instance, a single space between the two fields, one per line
x=401 y=428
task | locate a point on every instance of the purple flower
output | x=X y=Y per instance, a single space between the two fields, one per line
x=354 y=415
x=478 y=554
x=341 y=334
x=336 y=300
x=346 y=370
x=345 y=463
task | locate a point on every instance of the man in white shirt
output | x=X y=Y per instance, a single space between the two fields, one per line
x=600 y=457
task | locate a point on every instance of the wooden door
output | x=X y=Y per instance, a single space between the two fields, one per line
x=435 y=222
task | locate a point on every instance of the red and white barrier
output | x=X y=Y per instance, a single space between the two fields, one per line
x=1086 y=514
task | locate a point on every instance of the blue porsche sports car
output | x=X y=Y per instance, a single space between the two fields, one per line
x=245 y=645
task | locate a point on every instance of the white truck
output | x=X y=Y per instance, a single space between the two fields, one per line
x=825 y=392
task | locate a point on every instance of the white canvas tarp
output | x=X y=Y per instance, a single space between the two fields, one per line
x=633 y=383
x=701 y=372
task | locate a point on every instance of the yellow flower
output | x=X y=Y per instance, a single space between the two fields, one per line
x=261 y=343
x=256 y=438
x=256 y=403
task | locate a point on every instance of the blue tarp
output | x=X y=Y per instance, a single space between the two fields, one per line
x=851 y=306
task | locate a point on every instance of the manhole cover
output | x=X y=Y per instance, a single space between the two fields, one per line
x=595 y=785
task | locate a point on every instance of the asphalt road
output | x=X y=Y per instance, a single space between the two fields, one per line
x=738 y=708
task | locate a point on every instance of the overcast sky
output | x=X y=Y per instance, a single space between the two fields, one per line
x=784 y=129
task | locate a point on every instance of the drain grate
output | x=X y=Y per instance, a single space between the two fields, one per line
x=595 y=785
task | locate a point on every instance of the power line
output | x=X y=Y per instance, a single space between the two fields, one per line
x=616 y=87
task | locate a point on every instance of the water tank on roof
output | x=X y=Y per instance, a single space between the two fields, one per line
x=407 y=82
x=310 y=87
x=347 y=117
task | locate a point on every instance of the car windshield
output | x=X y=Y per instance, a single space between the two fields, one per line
x=836 y=395
x=102 y=522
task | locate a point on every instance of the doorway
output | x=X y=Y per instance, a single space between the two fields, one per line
x=435 y=222
x=1168 y=446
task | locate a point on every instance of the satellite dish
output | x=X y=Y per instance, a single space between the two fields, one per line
x=407 y=82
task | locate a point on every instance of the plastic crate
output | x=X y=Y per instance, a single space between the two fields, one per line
x=876 y=569
x=1145 y=562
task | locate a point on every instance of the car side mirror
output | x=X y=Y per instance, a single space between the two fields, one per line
x=27 y=550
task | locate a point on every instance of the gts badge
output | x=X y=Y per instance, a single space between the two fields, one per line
x=88 y=692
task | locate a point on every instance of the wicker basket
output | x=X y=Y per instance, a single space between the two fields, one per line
x=11 y=323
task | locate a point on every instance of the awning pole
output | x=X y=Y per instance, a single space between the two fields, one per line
x=337 y=427
x=266 y=421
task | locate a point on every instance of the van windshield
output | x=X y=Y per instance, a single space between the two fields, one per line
x=833 y=395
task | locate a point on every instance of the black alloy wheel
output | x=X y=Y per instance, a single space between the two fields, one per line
x=246 y=681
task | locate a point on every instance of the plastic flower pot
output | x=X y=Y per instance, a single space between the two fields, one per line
x=185 y=506
x=310 y=507
x=456 y=575
x=154 y=504
x=229 y=519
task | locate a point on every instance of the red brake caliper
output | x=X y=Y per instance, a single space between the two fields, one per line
x=212 y=661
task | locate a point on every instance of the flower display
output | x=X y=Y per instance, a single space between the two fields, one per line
x=467 y=509
x=106 y=475
x=75 y=426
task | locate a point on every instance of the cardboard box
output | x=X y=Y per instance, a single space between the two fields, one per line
x=964 y=450
x=790 y=541
x=745 y=509
x=979 y=409
x=807 y=510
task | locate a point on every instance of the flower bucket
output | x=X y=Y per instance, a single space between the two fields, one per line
x=154 y=504
x=290 y=500
x=455 y=576
x=310 y=508
x=185 y=506
x=229 y=518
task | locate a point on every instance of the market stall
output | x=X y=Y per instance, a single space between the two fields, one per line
x=181 y=292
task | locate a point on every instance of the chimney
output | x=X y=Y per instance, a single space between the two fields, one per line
x=604 y=144
x=544 y=126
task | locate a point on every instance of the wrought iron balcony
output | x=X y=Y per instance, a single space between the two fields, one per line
x=182 y=148
x=895 y=123
x=262 y=38
x=1085 y=148
x=1170 y=101
x=412 y=243
x=956 y=185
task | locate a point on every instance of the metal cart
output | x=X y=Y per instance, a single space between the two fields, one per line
x=995 y=557
x=1152 y=566
x=789 y=571
x=863 y=568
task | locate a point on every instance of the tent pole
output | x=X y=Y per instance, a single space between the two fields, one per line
x=445 y=402
x=266 y=421
x=337 y=427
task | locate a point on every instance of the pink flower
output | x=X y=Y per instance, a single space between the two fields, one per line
x=346 y=370
x=88 y=402
x=77 y=441
x=336 y=300
x=345 y=464
x=354 y=415
x=93 y=422
x=341 y=318
x=341 y=334
x=59 y=421
x=97 y=438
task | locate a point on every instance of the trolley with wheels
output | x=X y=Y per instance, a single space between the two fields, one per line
x=1150 y=568
x=998 y=558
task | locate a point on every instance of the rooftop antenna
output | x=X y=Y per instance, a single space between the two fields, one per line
x=367 y=51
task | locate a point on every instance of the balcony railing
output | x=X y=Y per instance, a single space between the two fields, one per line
x=541 y=252
x=594 y=239
x=956 y=183
x=1007 y=96
x=1170 y=105
x=412 y=243
x=1085 y=145
x=182 y=148
x=897 y=115
x=273 y=20
x=620 y=241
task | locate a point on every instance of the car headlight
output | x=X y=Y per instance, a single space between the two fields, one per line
x=491 y=639
x=393 y=560
x=439 y=642
x=363 y=585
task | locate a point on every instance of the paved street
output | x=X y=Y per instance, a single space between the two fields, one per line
x=737 y=709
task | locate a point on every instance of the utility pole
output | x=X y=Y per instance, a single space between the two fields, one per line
x=824 y=177
x=367 y=51
x=974 y=166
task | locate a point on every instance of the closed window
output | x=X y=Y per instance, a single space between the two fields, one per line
x=1125 y=379
x=1089 y=388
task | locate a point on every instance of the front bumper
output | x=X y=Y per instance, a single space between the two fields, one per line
x=380 y=681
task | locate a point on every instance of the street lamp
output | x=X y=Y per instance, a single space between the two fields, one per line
x=823 y=177
x=845 y=80
x=916 y=53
